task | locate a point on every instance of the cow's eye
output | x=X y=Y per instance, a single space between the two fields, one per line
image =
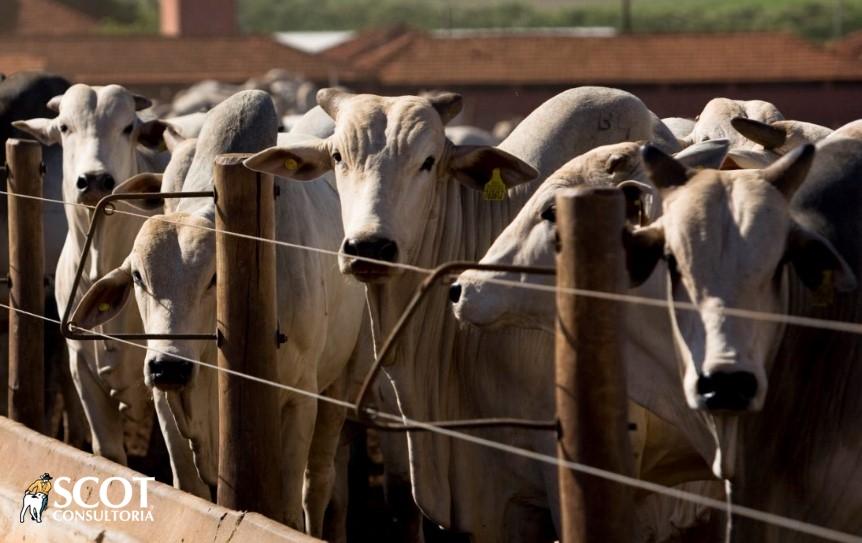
x=550 y=214
x=212 y=282
x=128 y=130
x=336 y=156
x=136 y=277
x=428 y=164
x=64 y=128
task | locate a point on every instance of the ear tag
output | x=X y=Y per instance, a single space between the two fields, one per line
x=291 y=164
x=104 y=307
x=495 y=189
x=825 y=293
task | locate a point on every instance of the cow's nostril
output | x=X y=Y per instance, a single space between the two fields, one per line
x=732 y=391
x=82 y=183
x=350 y=247
x=108 y=182
x=387 y=251
x=454 y=293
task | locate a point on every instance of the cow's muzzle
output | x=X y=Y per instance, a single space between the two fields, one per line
x=168 y=373
x=372 y=248
x=92 y=187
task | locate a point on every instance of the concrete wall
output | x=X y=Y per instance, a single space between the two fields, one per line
x=25 y=455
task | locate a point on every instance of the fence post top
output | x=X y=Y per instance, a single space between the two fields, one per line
x=22 y=142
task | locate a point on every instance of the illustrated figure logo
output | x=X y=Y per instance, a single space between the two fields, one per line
x=36 y=498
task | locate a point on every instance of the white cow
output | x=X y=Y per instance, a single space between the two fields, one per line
x=714 y=122
x=100 y=133
x=171 y=269
x=410 y=197
x=662 y=453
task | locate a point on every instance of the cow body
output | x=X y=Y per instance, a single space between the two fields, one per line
x=173 y=260
x=442 y=371
x=99 y=132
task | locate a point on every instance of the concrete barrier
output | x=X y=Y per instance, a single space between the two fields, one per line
x=176 y=516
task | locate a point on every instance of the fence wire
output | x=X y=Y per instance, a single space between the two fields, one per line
x=738 y=510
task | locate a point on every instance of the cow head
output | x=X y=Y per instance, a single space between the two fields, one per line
x=99 y=130
x=725 y=238
x=171 y=270
x=531 y=238
x=390 y=157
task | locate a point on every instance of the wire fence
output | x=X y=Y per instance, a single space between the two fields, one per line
x=734 y=509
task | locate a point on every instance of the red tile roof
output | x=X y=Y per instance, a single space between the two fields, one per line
x=50 y=18
x=143 y=60
x=415 y=59
x=849 y=46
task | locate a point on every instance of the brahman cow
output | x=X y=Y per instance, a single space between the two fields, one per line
x=100 y=133
x=410 y=197
x=171 y=269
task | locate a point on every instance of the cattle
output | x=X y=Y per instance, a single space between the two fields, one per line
x=714 y=121
x=171 y=269
x=410 y=197
x=680 y=126
x=662 y=453
x=23 y=95
x=781 y=240
x=100 y=133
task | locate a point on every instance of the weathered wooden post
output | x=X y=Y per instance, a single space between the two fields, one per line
x=590 y=376
x=249 y=420
x=26 y=400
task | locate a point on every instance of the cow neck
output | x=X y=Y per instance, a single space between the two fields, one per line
x=443 y=371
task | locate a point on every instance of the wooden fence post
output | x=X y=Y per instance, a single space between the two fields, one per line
x=590 y=375
x=249 y=476
x=26 y=400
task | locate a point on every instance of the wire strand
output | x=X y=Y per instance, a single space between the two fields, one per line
x=739 y=510
x=811 y=322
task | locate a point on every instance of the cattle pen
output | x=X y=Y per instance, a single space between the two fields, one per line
x=594 y=457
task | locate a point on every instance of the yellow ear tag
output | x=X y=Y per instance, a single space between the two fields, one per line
x=104 y=307
x=291 y=164
x=495 y=189
x=825 y=293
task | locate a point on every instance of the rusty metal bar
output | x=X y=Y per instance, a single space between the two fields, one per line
x=106 y=207
x=367 y=416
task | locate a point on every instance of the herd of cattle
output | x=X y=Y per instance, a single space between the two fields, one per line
x=738 y=208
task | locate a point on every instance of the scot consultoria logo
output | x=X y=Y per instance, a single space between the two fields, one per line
x=36 y=498
x=88 y=499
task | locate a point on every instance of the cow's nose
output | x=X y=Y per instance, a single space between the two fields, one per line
x=374 y=248
x=97 y=182
x=727 y=391
x=168 y=373
x=454 y=293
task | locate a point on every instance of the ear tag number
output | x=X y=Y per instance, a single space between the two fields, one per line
x=104 y=307
x=291 y=164
x=495 y=189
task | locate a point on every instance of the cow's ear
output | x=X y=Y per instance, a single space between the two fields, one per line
x=141 y=184
x=302 y=161
x=142 y=102
x=44 y=130
x=474 y=166
x=817 y=262
x=708 y=154
x=105 y=299
x=644 y=247
x=639 y=200
x=447 y=104
x=151 y=134
x=54 y=103
x=664 y=171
